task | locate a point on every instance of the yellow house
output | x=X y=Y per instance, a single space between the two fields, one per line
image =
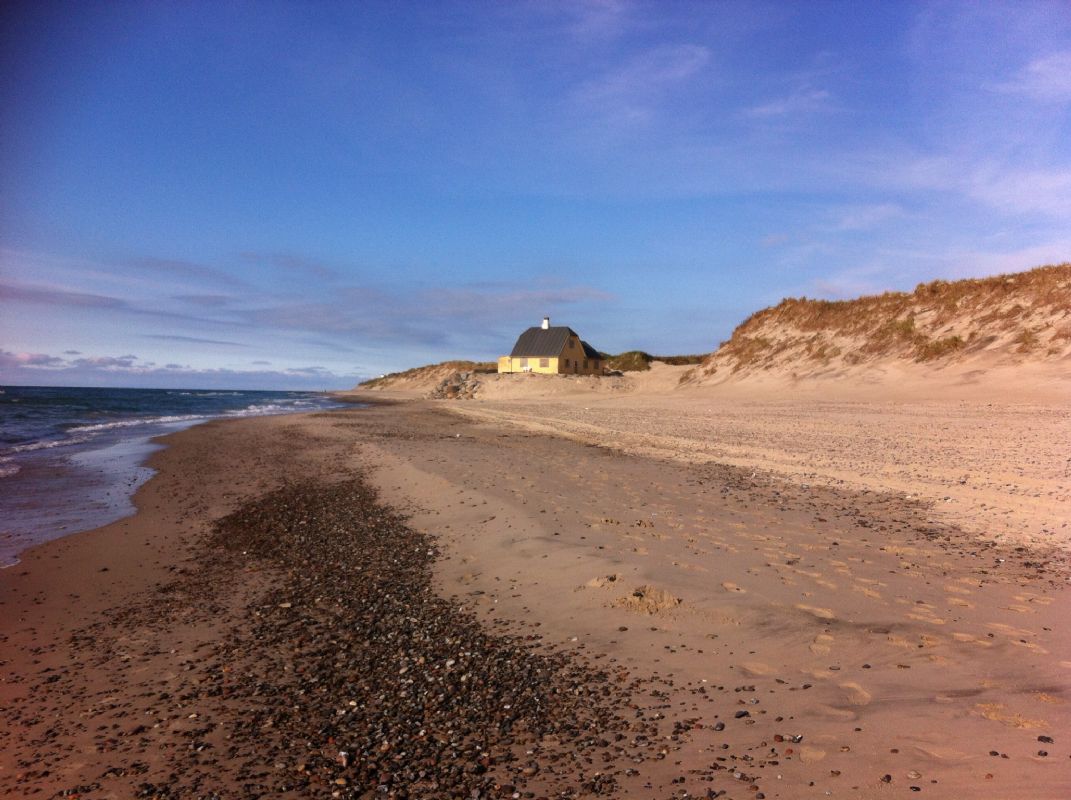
x=555 y=351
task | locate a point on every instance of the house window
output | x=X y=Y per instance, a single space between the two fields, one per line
x=567 y=363
x=524 y=363
x=544 y=362
x=585 y=363
x=572 y=343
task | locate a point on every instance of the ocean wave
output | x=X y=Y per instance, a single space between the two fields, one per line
x=48 y=444
x=130 y=423
x=80 y=434
x=262 y=409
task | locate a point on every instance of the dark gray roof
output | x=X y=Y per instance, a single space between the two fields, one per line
x=547 y=343
x=589 y=351
x=542 y=342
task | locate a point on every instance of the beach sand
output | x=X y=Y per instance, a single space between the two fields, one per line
x=672 y=600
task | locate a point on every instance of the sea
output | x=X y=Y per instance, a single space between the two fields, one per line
x=72 y=458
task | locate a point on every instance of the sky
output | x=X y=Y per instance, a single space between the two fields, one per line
x=302 y=195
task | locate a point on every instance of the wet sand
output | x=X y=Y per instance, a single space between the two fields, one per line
x=741 y=633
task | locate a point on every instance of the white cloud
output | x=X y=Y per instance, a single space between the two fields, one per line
x=861 y=218
x=802 y=101
x=1022 y=191
x=632 y=90
x=1046 y=79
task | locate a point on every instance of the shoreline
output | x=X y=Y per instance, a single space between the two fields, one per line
x=771 y=599
x=89 y=478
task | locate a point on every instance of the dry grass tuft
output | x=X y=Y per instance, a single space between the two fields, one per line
x=1027 y=314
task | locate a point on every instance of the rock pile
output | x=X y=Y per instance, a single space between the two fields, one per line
x=457 y=386
x=359 y=678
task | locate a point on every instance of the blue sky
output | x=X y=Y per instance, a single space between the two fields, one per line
x=284 y=195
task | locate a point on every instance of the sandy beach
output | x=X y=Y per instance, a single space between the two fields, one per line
x=428 y=599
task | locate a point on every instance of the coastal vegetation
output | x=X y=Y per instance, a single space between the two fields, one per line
x=1008 y=316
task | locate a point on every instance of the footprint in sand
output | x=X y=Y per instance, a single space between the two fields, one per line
x=822 y=644
x=729 y=586
x=600 y=583
x=1019 y=609
x=998 y=712
x=1030 y=597
x=968 y=637
x=808 y=755
x=926 y=617
x=757 y=668
x=829 y=712
x=959 y=601
x=867 y=592
x=821 y=613
x=942 y=755
x=856 y=694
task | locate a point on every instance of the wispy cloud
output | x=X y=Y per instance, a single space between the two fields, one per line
x=632 y=90
x=598 y=19
x=58 y=297
x=1045 y=80
x=292 y=262
x=42 y=368
x=191 y=339
x=861 y=218
x=1022 y=191
x=801 y=101
x=183 y=270
x=426 y=316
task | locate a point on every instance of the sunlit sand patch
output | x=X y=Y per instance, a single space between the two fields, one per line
x=1018 y=608
x=843 y=714
x=1030 y=597
x=757 y=668
x=648 y=599
x=930 y=618
x=957 y=590
x=901 y=550
x=969 y=637
x=998 y=712
x=1009 y=630
x=1035 y=648
x=815 y=611
x=687 y=567
x=1045 y=697
x=729 y=586
x=959 y=601
x=822 y=644
x=602 y=582
x=867 y=591
x=944 y=755
x=856 y=694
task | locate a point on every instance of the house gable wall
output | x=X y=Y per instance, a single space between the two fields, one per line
x=571 y=360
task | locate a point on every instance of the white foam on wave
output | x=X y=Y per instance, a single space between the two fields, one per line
x=80 y=434
x=262 y=409
x=48 y=444
x=131 y=423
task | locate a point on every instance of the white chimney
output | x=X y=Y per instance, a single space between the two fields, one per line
x=546 y=323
